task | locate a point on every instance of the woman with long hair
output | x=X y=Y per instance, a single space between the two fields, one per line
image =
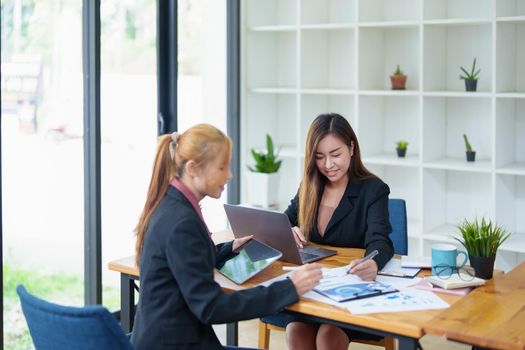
x=339 y=203
x=179 y=299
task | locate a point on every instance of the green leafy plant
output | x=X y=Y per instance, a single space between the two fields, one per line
x=481 y=238
x=467 y=144
x=266 y=162
x=473 y=75
x=398 y=71
x=401 y=144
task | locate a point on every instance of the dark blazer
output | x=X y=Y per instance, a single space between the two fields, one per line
x=179 y=299
x=360 y=220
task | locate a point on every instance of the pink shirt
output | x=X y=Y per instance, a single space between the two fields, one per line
x=191 y=198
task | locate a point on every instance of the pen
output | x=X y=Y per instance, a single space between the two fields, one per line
x=362 y=260
x=290 y=268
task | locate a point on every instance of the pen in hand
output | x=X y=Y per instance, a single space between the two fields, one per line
x=362 y=260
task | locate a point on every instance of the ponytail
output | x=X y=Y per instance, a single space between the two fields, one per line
x=163 y=171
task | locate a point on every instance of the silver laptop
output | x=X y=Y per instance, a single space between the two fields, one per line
x=274 y=229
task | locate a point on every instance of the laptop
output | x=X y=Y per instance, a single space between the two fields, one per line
x=274 y=229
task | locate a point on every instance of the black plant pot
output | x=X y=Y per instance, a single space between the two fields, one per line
x=471 y=85
x=483 y=266
x=401 y=152
x=471 y=156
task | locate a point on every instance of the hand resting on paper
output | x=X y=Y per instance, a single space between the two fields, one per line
x=366 y=270
x=306 y=278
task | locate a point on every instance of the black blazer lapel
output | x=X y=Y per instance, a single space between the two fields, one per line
x=345 y=205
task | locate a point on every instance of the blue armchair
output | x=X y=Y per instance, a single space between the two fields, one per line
x=399 y=236
x=56 y=327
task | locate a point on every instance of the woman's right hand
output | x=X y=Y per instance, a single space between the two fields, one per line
x=299 y=237
x=306 y=277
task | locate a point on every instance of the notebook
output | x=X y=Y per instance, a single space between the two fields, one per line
x=454 y=281
x=394 y=268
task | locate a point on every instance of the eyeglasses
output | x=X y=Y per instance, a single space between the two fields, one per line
x=445 y=271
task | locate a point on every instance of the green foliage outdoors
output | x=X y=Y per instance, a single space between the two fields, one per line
x=402 y=144
x=467 y=144
x=398 y=71
x=62 y=288
x=266 y=162
x=473 y=75
x=481 y=238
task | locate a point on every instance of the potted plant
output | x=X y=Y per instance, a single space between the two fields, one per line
x=263 y=179
x=401 y=148
x=481 y=240
x=471 y=79
x=471 y=155
x=398 y=79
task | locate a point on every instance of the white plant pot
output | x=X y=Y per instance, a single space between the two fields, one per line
x=262 y=188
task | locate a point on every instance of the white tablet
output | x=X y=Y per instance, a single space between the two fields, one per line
x=252 y=259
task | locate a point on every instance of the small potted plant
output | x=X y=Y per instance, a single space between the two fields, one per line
x=401 y=148
x=481 y=240
x=263 y=179
x=471 y=155
x=398 y=79
x=471 y=79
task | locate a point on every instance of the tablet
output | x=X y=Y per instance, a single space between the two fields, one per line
x=252 y=259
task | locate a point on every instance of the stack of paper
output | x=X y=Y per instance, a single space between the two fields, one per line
x=455 y=281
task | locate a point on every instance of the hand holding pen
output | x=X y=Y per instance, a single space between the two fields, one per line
x=365 y=268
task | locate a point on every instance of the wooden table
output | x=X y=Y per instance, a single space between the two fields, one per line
x=407 y=327
x=491 y=316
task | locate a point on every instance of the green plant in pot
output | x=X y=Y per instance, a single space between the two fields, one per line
x=471 y=154
x=398 y=79
x=401 y=148
x=471 y=78
x=481 y=239
x=262 y=179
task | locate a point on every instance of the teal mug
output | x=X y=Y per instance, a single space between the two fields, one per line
x=447 y=255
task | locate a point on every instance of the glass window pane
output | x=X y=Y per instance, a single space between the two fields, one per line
x=202 y=78
x=42 y=160
x=129 y=127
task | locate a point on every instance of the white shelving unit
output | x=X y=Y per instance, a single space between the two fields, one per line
x=301 y=58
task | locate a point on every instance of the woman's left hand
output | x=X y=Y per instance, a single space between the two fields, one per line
x=366 y=270
x=240 y=242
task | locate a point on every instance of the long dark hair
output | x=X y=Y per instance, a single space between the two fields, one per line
x=313 y=180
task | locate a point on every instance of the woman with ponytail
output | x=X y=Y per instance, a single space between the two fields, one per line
x=179 y=299
x=339 y=203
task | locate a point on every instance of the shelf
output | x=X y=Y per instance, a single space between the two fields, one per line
x=328 y=26
x=510 y=95
x=458 y=164
x=274 y=90
x=388 y=92
x=457 y=10
x=515 y=243
x=400 y=24
x=314 y=12
x=392 y=159
x=510 y=8
x=516 y=19
x=282 y=28
x=443 y=233
x=459 y=21
x=269 y=13
x=512 y=169
x=447 y=48
x=321 y=91
x=510 y=128
x=389 y=10
x=475 y=94
x=510 y=55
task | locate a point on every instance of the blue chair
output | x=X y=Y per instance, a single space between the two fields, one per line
x=399 y=236
x=56 y=327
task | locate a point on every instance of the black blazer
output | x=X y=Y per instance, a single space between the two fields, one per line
x=360 y=220
x=179 y=299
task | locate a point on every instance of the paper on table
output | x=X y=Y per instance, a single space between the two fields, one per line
x=406 y=300
x=393 y=268
x=416 y=261
x=426 y=285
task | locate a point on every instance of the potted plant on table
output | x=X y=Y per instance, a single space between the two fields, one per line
x=471 y=79
x=401 y=148
x=398 y=79
x=263 y=179
x=481 y=240
x=471 y=154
